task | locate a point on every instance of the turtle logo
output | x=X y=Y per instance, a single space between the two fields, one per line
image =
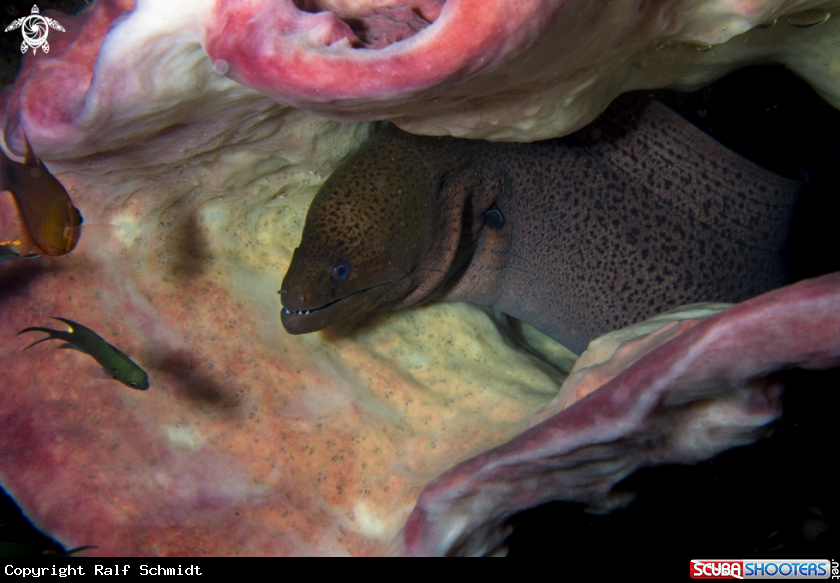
x=35 y=30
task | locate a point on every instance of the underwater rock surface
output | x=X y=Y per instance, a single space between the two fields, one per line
x=514 y=72
x=683 y=391
x=250 y=441
x=469 y=68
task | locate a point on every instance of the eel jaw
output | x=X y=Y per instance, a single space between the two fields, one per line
x=315 y=319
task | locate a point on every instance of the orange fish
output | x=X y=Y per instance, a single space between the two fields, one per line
x=51 y=225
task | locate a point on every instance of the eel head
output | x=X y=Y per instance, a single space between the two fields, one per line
x=375 y=236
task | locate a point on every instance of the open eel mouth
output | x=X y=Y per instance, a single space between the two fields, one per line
x=315 y=319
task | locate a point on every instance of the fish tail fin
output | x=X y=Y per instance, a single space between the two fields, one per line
x=38 y=342
x=51 y=334
x=95 y=237
x=69 y=323
x=36 y=329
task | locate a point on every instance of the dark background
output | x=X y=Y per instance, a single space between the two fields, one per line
x=774 y=499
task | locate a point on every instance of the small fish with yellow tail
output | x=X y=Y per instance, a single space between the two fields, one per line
x=110 y=358
x=51 y=225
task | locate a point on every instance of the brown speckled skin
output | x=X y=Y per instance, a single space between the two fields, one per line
x=635 y=214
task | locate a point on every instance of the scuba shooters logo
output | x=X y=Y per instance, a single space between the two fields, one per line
x=35 y=29
x=759 y=569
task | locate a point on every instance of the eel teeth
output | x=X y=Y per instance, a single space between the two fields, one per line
x=297 y=313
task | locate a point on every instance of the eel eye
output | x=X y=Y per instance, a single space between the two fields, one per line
x=494 y=216
x=132 y=385
x=340 y=271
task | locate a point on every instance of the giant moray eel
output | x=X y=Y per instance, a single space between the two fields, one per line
x=637 y=213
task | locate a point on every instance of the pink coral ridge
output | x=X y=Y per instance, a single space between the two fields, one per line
x=704 y=390
x=495 y=70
